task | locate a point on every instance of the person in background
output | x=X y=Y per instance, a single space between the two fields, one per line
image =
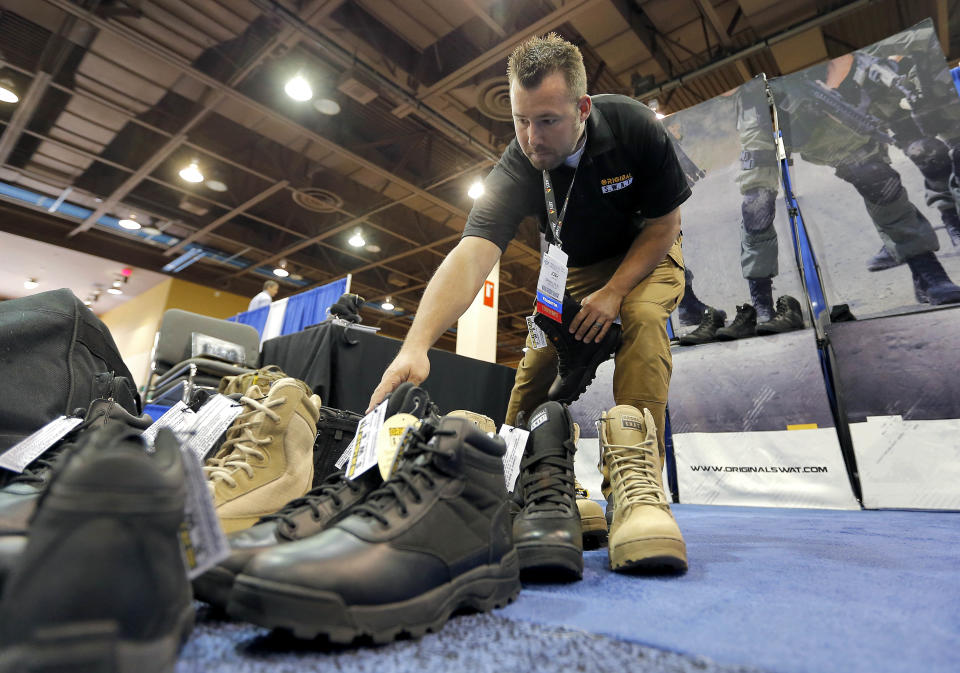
x=266 y=295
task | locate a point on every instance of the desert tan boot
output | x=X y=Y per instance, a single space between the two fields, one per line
x=485 y=423
x=592 y=521
x=644 y=534
x=267 y=458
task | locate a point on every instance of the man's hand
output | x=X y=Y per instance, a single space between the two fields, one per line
x=413 y=367
x=599 y=311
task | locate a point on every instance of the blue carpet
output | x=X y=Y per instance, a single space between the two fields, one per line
x=778 y=590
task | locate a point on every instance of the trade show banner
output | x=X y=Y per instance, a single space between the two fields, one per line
x=737 y=245
x=897 y=380
x=874 y=141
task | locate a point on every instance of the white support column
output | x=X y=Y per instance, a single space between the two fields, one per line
x=477 y=327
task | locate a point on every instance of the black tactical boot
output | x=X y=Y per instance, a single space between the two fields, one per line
x=761 y=295
x=951 y=222
x=547 y=531
x=300 y=518
x=578 y=360
x=101 y=585
x=711 y=320
x=882 y=260
x=435 y=538
x=744 y=325
x=788 y=318
x=931 y=284
x=690 y=308
x=18 y=498
x=347 y=307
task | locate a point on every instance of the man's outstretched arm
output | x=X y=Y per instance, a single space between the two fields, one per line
x=448 y=294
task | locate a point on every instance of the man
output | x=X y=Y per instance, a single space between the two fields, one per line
x=265 y=296
x=620 y=230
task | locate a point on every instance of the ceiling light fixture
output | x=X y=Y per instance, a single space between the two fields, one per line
x=30 y=283
x=281 y=270
x=8 y=94
x=191 y=173
x=476 y=190
x=357 y=240
x=298 y=88
x=660 y=115
x=216 y=185
x=327 y=106
x=130 y=223
x=387 y=305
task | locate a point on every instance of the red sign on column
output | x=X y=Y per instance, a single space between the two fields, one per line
x=488 y=293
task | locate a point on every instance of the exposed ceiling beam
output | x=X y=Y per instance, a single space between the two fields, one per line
x=706 y=6
x=23 y=114
x=644 y=28
x=943 y=26
x=492 y=24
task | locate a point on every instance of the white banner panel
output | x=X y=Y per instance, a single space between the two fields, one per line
x=774 y=468
x=908 y=464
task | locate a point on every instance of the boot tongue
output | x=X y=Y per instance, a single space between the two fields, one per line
x=625 y=426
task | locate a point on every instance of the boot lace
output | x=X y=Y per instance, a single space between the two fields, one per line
x=546 y=480
x=634 y=474
x=332 y=489
x=242 y=442
x=742 y=318
x=417 y=471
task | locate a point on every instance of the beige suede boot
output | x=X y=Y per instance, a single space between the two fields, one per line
x=485 y=423
x=592 y=522
x=644 y=534
x=267 y=458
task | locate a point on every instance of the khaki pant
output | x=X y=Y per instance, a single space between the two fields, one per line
x=643 y=364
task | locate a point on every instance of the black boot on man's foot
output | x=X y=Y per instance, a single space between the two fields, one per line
x=761 y=296
x=547 y=531
x=712 y=320
x=931 y=284
x=951 y=222
x=578 y=360
x=744 y=325
x=690 y=307
x=789 y=317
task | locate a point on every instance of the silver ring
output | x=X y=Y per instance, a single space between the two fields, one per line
x=598 y=325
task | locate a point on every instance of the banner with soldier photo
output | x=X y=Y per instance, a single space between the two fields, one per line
x=874 y=141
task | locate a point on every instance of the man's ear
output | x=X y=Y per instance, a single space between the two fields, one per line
x=584 y=106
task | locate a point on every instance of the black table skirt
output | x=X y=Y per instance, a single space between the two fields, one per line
x=343 y=365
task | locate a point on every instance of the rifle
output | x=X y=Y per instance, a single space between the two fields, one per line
x=837 y=107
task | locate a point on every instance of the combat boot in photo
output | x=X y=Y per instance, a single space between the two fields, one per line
x=643 y=532
x=267 y=458
x=744 y=325
x=789 y=317
x=761 y=296
x=931 y=284
x=578 y=360
x=547 y=530
x=711 y=320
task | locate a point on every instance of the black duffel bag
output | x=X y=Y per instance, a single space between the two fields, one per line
x=52 y=349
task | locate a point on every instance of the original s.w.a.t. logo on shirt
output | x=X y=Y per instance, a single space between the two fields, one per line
x=608 y=185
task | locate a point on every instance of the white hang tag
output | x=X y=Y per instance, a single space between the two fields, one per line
x=516 y=440
x=551 y=283
x=202 y=540
x=178 y=418
x=389 y=439
x=27 y=450
x=536 y=334
x=361 y=453
x=210 y=422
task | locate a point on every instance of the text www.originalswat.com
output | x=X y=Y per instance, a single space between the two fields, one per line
x=776 y=469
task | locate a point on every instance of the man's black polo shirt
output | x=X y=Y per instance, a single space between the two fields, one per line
x=628 y=171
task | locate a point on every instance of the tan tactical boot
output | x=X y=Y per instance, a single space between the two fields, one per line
x=643 y=534
x=267 y=458
x=592 y=522
x=485 y=423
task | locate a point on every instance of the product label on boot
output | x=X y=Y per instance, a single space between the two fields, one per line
x=21 y=454
x=516 y=440
x=202 y=540
x=361 y=454
x=390 y=445
x=178 y=418
x=210 y=422
x=537 y=336
x=552 y=281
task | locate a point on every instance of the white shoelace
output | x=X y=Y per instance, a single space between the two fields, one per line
x=241 y=444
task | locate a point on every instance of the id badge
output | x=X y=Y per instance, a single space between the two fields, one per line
x=552 y=281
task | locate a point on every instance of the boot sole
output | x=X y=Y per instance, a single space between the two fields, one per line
x=650 y=554
x=308 y=614
x=214 y=587
x=553 y=562
x=96 y=646
x=594 y=531
x=598 y=359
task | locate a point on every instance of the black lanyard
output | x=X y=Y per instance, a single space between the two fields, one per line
x=556 y=223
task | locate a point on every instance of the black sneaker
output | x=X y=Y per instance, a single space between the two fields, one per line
x=578 y=360
x=712 y=320
x=547 y=530
x=102 y=585
x=788 y=317
x=300 y=518
x=18 y=498
x=435 y=538
x=744 y=325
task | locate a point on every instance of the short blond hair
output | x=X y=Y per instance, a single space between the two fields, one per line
x=538 y=57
